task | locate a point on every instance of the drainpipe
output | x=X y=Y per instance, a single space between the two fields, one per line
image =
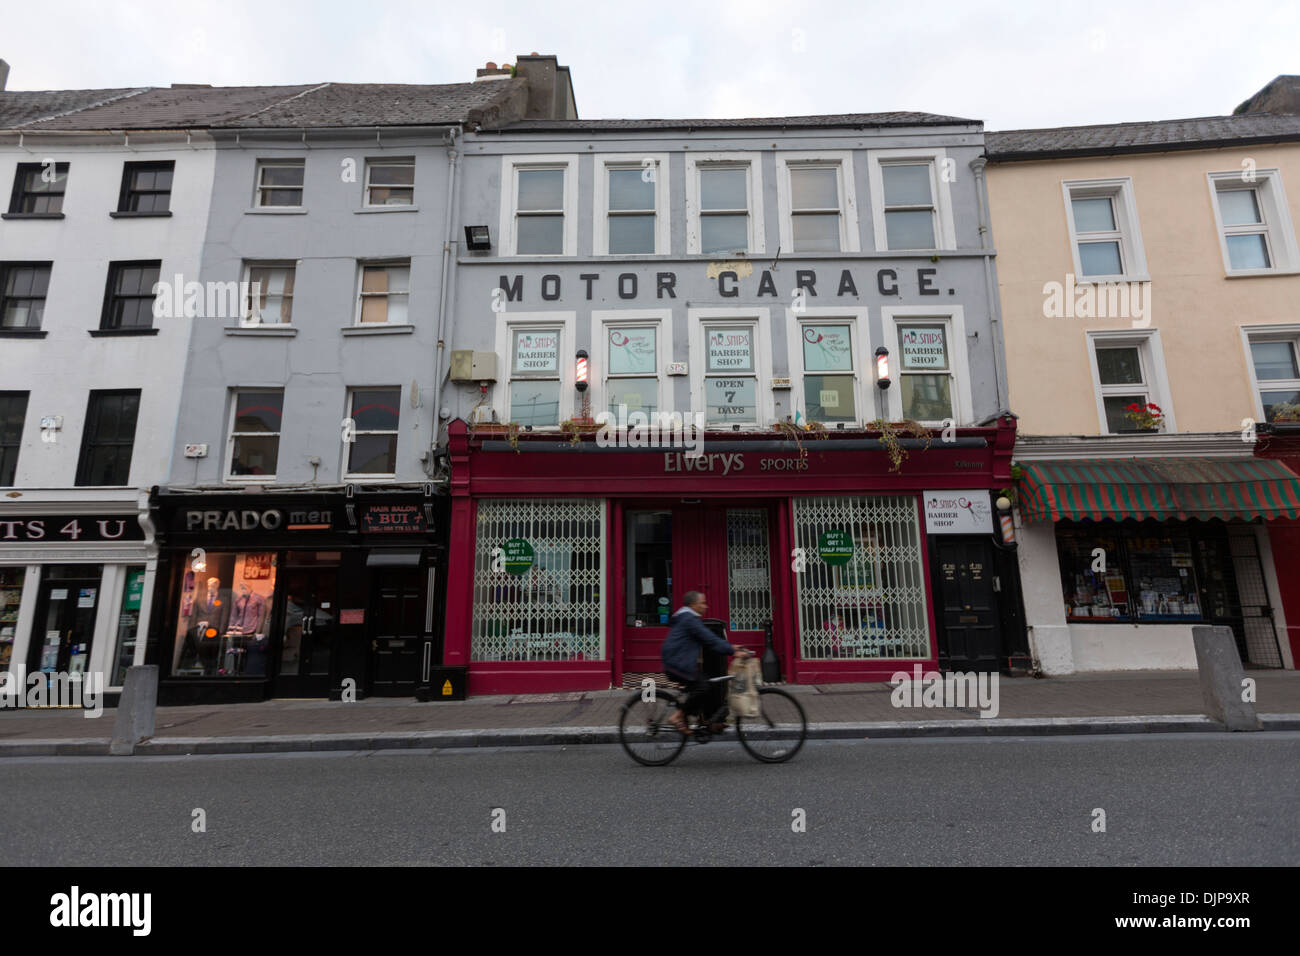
x=990 y=289
x=448 y=264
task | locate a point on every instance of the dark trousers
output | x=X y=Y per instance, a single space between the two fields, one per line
x=702 y=696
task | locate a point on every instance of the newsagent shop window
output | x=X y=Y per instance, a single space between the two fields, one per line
x=535 y=376
x=1143 y=572
x=861 y=595
x=538 y=569
x=224 y=622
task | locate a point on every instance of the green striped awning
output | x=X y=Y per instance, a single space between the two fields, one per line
x=1159 y=488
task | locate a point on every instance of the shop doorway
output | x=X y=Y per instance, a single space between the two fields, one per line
x=722 y=549
x=396 y=637
x=307 y=648
x=1235 y=595
x=966 y=586
x=66 y=606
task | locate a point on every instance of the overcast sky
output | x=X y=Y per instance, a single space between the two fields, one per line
x=1012 y=64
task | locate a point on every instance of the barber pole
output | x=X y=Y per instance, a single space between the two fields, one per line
x=1008 y=529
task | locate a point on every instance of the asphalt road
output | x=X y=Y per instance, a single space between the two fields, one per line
x=1195 y=799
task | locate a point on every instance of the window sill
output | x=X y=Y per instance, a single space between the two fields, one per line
x=381 y=209
x=23 y=333
x=255 y=330
x=1253 y=273
x=1110 y=280
x=140 y=215
x=31 y=215
x=250 y=479
x=378 y=329
x=359 y=479
x=112 y=333
x=276 y=211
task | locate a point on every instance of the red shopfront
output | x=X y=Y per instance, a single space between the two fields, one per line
x=568 y=558
x=1281 y=441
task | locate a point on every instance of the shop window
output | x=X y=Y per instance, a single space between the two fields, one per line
x=372 y=450
x=128 y=624
x=724 y=204
x=648 y=590
x=255 y=433
x=223 y=623
x=279 y=183
x=730 y=375
x=631 y=205
x=129 y=301
x=39 y=189
x=539 y=212
x=1256 y=236
x=1105 y=240
x=632 y=368
x=1143 y=573
x=23 y=287
x=270 y=293
x=861 y=595
x=385 y=291
x=11 y=596
x=1275 y=360
x=147 y=188
x=829 y=379
x=13 y=413
x=539 y=566
x=535 y=376
x=925 y=378
x=108 y=438
x=390 y=182
x=749 y=579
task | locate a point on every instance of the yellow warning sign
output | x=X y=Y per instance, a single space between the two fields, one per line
x=446 y=689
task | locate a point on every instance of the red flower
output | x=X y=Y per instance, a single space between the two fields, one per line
x=1155 y=408
x=1132 y=408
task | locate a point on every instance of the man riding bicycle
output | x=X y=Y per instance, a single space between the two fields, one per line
x=681 y=652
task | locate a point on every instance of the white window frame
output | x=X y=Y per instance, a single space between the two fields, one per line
x=699 y=321
x=510 y=165
x=384 y=161
x=1128 y=231
x=232 y=402
x=246 y=313
x=1151 y=353
x=954 y=318
x=602 y=320
x=1268 y=333
x=1279 y=233
x=754 y=162
x=842 y=162
x=566 y=322
x=945 y=233
x=600 y=226
x=362 y=266
x=345 y=465
x=258 y=187
x=864 y=366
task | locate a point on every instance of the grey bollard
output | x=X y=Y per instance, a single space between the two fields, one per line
x=1222 y=677
x=135 y=710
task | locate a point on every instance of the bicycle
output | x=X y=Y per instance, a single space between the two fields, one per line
x=649 y=737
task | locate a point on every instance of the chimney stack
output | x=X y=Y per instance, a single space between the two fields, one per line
x=4 y=74
x=491 y=72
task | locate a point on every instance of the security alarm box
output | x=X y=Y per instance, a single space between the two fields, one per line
x=467 y=366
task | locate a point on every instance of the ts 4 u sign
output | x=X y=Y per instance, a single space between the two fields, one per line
x=72 y=528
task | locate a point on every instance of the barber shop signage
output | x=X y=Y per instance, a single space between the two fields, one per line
x=958 y=512
x=393 y=519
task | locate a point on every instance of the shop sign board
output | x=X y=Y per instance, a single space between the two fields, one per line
x=958 y=512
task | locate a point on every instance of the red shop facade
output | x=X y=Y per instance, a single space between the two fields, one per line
x=1281 y=441
x=567 y=558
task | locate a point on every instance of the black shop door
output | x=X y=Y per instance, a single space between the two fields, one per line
x=396 y=636
x=964 y=576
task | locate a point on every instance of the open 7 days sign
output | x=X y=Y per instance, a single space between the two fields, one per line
x=958 y=512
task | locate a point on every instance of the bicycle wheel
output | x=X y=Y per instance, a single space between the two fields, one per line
x=778 y=732
x=644 y=730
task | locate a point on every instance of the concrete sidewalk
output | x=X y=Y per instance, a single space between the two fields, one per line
x=1093 y=703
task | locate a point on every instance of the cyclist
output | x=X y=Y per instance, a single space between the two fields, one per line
x=686 y=636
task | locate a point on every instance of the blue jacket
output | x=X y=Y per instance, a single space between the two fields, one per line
x=681 y=648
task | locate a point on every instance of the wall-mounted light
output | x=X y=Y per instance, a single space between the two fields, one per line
x=580 y=371
x=882 y=367
x=478 y=237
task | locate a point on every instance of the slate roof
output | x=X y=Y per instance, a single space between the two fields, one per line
x=314 y=105
x=1159 y=136
x=833 y=120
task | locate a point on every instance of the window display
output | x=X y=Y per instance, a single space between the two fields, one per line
x=1134 y=574
x=11 y=594
x=223 y=627
x=128 y=624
